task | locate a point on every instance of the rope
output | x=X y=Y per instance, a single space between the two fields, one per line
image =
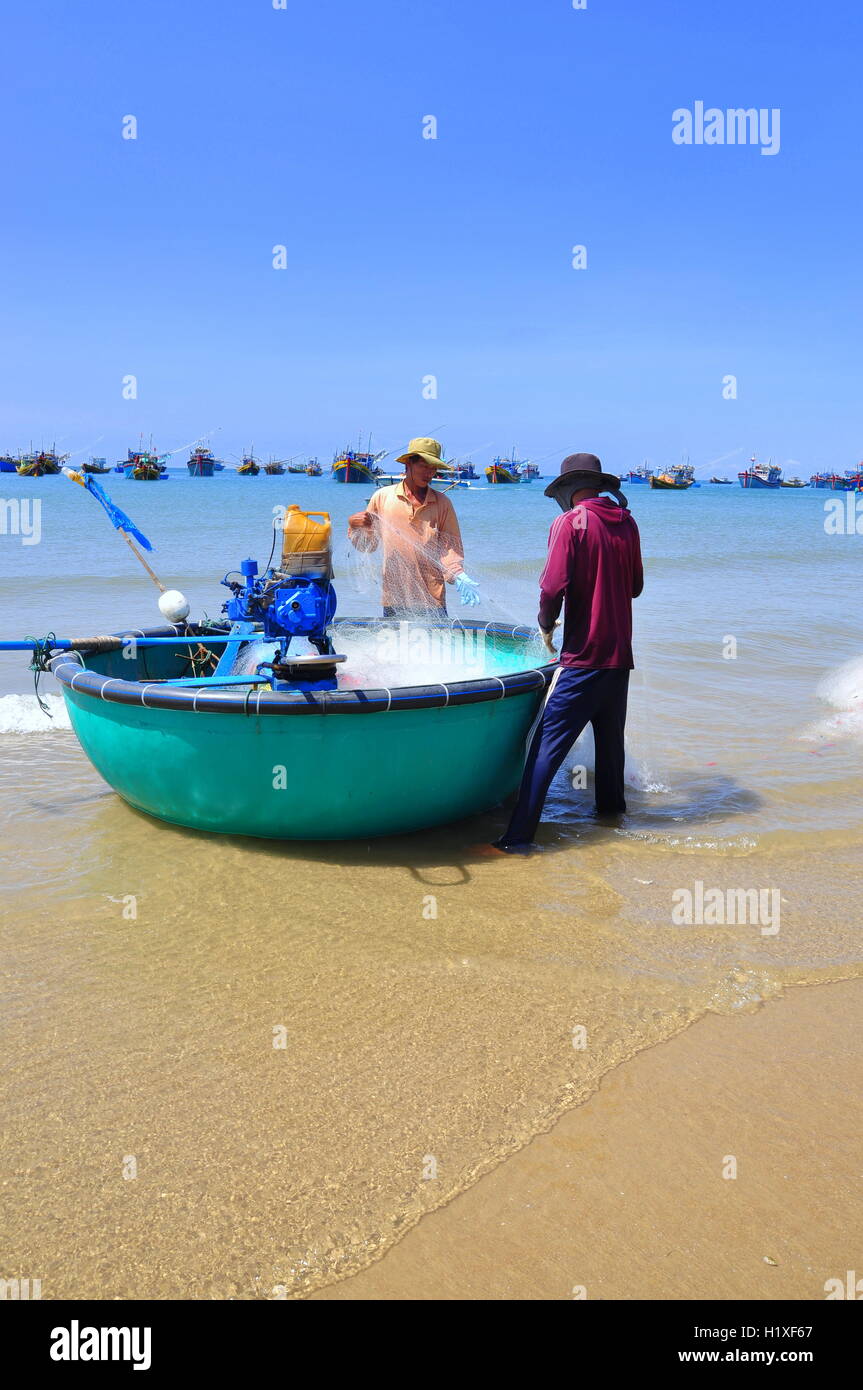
x=39 y=662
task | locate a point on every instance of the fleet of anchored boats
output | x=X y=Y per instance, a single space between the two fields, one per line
x=681 y=476
x=348 y=466
x=362 y=466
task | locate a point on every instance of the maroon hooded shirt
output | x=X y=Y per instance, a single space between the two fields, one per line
x=594 y=562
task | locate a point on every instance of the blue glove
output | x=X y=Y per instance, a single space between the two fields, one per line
x=468 y=589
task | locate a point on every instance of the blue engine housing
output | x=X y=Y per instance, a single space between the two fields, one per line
x=302 y=606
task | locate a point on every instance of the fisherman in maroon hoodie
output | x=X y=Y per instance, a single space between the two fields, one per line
x=594 y=565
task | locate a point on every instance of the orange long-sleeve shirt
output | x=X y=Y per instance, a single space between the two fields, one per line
x=421 y=543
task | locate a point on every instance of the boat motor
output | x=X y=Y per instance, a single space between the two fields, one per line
x=295 y=600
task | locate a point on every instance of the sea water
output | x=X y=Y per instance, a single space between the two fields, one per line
x=285 y=1036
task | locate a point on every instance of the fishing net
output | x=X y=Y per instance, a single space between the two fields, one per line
x=396 y=570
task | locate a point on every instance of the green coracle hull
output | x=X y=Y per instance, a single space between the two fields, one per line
x=295 y=774
x=328 y=777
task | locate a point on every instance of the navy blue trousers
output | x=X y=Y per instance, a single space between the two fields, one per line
x=579 y=698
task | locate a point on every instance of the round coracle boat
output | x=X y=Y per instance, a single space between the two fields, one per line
x=354 y=761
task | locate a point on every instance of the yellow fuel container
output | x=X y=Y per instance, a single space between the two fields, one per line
x=306 y=543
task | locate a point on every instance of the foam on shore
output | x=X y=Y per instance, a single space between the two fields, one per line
x=20 y=714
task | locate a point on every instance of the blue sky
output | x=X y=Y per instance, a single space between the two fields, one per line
x=450 y=257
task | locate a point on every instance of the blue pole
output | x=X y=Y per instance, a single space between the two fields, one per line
x=64 y=644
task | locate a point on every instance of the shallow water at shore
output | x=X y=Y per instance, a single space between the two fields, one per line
x=432 y=1001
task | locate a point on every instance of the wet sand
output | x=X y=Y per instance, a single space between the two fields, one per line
x=625 y=1197
x=239 y=1090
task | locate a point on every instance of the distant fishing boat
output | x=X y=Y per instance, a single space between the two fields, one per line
x=201 y=463
x=249 y=468
x=505 y=470
x=8 y=464
x=855 y=478
x=639 y=475
x=96 y=466
x=40 y=464
x=313 y=468
x=685 y=471
x=147 y=471
x=498 y=473
x=274 y=467
x=677 y=478
x=530 y=471
x=793 y=482
x=353 y=466
x=670 y=481
x=464 y=472
x=296 y=468
x=724 y=482
x=450 y=475
x=144 y=466
x=850 y=481
x=761 y=475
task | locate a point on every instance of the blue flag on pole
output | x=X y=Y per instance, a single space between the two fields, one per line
x=119 y=518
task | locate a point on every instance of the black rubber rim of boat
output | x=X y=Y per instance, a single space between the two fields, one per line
x=153 y=695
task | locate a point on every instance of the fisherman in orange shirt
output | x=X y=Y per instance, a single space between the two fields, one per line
x=422 y=549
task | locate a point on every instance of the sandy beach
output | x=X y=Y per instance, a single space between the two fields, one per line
x=208 y=1100
x=625 y=1197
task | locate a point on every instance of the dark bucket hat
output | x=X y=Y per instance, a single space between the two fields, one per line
x=581 y=470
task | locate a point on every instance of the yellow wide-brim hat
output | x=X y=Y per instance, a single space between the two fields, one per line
x=429 y=450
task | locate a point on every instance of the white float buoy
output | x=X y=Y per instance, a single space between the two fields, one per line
x=173 y=605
